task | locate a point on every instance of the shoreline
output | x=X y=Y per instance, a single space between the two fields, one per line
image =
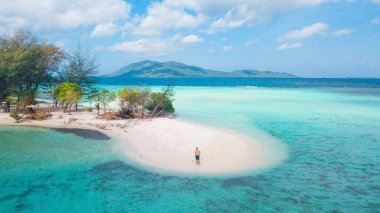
x=166 y=145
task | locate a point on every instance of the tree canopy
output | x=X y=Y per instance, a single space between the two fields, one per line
x=68 y=93
x=78 y=67
x=104 y=97
x=161 y=102
x=25 y=64
x=135 y=101
x=28 y=63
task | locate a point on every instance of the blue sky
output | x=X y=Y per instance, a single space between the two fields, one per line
x=309 y=38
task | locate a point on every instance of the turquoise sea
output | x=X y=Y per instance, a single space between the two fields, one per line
x=332 y=135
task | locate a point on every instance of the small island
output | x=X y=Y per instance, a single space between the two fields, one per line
x=142 y=121
x=173 y=69
x=189 y=106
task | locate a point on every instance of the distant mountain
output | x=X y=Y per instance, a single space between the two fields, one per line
x=172 y=69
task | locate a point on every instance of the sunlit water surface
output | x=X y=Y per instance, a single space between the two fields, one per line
x=333 y=164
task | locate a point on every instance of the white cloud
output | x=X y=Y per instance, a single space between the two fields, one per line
x=228 y=48
x=104 y=30
x=213 y=15
x=148 y=46
x=154 y=46
x=162 y=16
x=375 y=20
x=286 y=46
x=376 y=1
x=191 y=39
x=230 y=14
x=342 y=32
x=317 y=28
x=61 y=14
x=234 y=18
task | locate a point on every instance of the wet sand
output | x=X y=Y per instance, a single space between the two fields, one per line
x=84 y=133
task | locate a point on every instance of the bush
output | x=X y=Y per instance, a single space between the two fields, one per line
x=68 y=93
x=161 y=103
x=11 y=100
x=133 y=101
x=105 y=97
x=42 y=114
x=113 y=115
x=15 y=115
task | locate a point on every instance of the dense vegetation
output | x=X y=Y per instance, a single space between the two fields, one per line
x=68 y=94
x=25 y=64
x=134 y=102
x=28 y=64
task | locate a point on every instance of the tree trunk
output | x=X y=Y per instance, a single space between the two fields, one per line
x=19 y=94
x=122 y=110
x=35 y=91
x=28 y=95
x=65 y=107
x=155 y=109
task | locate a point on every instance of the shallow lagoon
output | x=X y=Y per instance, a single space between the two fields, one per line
x=333 y=162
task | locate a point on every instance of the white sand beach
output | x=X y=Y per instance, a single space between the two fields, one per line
x=168 y=144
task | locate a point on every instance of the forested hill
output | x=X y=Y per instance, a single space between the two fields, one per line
x=172 y=69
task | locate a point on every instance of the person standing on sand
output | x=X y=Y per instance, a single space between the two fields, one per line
x=197 y=156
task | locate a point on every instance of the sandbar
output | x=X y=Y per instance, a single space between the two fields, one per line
x=167 y=145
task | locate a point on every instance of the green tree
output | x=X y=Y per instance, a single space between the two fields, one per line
x=97 y=105
x=91 y=95
x=133 y=100
x=79 y=68
x=105 y=97
x=5 y=87
x=68 y=93
x=25 y=64
x=15 y=115
x=161 y=102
